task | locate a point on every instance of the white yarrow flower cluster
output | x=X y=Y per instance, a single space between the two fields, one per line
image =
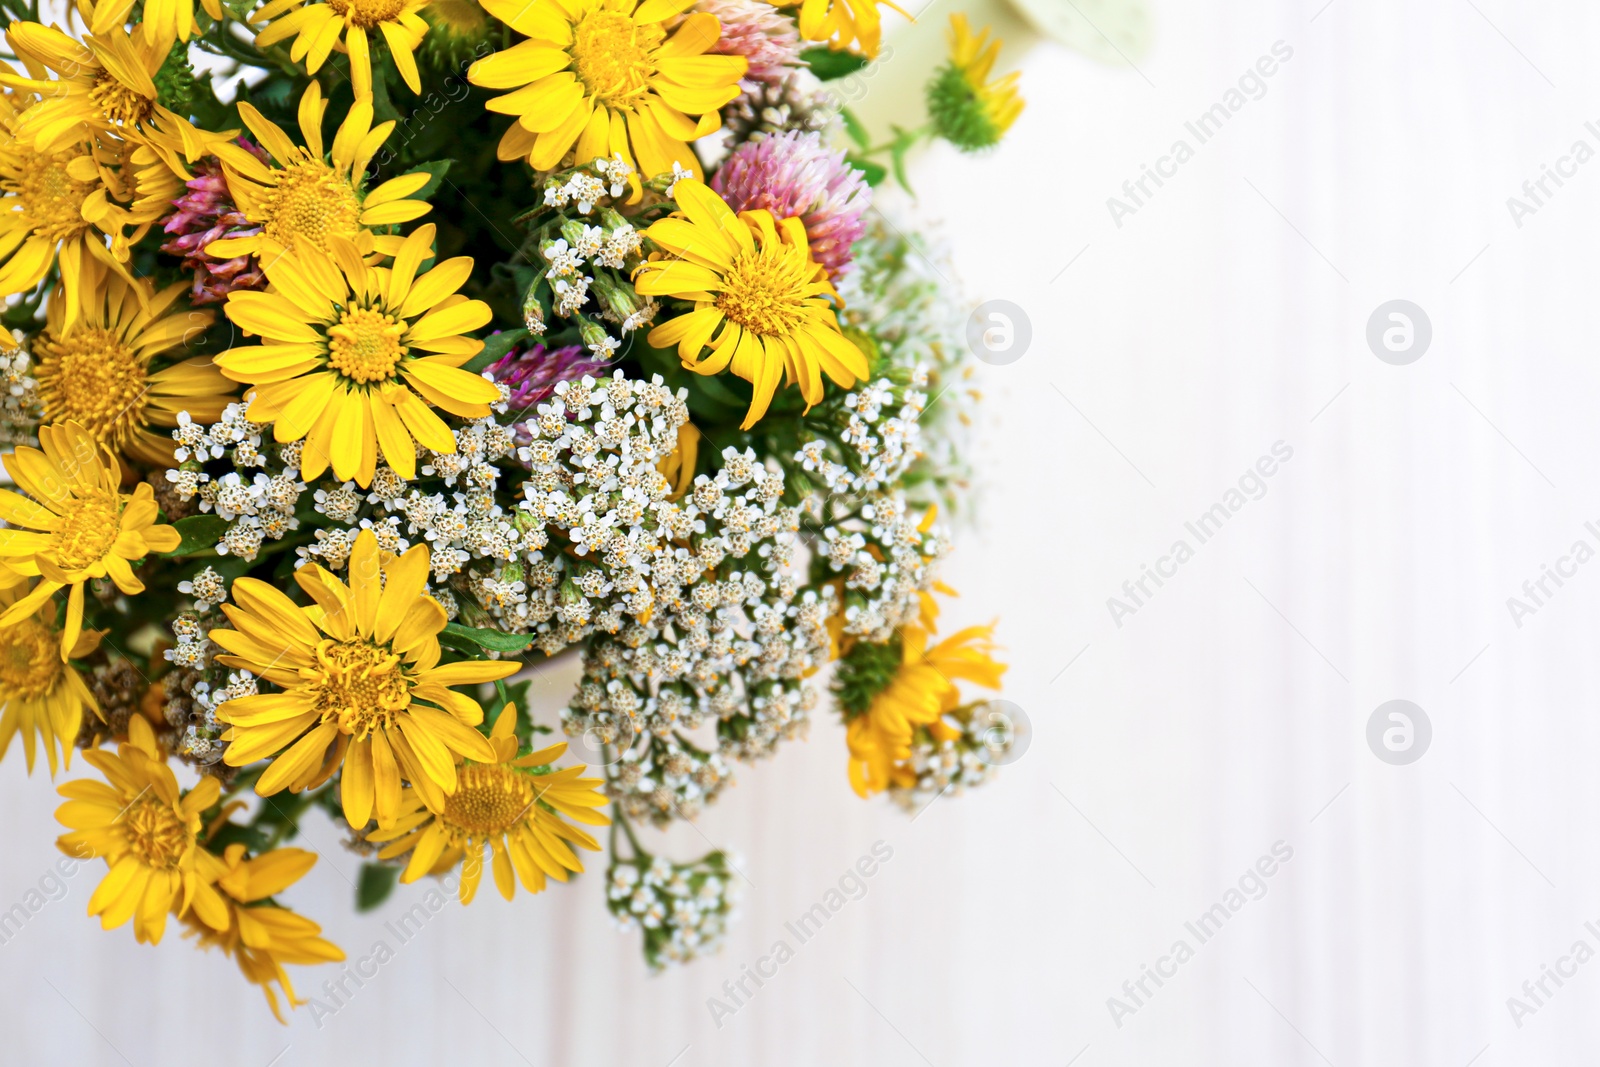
x=20 y=409
x=683 y=909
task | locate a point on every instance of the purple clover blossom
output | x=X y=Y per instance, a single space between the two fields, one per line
x=207 y=213
x=533 y=373
x=793 y=174
x=765 y=36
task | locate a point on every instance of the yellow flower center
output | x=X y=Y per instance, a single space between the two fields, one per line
x=155 y=832
x=365 y=345
x=89 y=527
x=90 y=375
x=367 y=13
x=614 y=56
x=765 y=290
x=119 y=104
x=30 y=659
x=358 y=685
x=488 y=801
x=52 y=200
x=313 y=202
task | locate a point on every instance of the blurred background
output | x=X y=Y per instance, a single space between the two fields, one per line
x=1208 y=764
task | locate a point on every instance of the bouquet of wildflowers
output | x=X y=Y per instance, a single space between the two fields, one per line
x=361 y=354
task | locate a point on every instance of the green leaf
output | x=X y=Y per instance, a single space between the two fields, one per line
x=827 y=64
x=903 y=141
x=872 y=173
x=495 y=346
x=853 y=127
x=493 y=640
x=436 y=170
x=374 y=884
x=200 y=533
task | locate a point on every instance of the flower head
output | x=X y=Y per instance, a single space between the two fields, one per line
x=78 y=524
x=98 y=372
x=262 y=936
x=514 y=805
x=793 y=174
x=890 y=691
x=309 y=195
x=602 y=78
x=105 y=84
x=360 y=686
x=173 y=19
x=765 y=36
x=207 y=213
x=61 y=205
x=39 y=694
x=456 y=31
x=967 y=109
x=845 y=24
x=318 y=26
x=533 y=373
x=352 y=356
x=752 y=278
x=147 y=831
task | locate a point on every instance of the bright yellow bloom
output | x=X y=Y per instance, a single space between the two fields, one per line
x=259 y=937
x=922 y=691
x=97 y=372
x=508 y=806
x=39 y=694
x=164 y=20
x=602 y=78
x=68 y=201
x=966 y=108
x=148 y=834
x=352 y=356
x=104 y=84
x=305 y=197
x=318 y=25
x=754 y=277
x=358 y=671
x=79 y=524
x=845 y=23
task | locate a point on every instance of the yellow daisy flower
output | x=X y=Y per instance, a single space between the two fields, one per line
x=352 y=356
x=79 y=524
x=602 y=78
x=262 y=937
x=306 y=198
x=845 y=24
x=966 y=108
x=67 y=202
x=97 y=372
x=922 y=690
x=147 y=831
x=361 y=685
x=39 y=694
x=508 y=806
x=317 y=26
x=104 y=83
x=166 y=20
x=752 y=276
